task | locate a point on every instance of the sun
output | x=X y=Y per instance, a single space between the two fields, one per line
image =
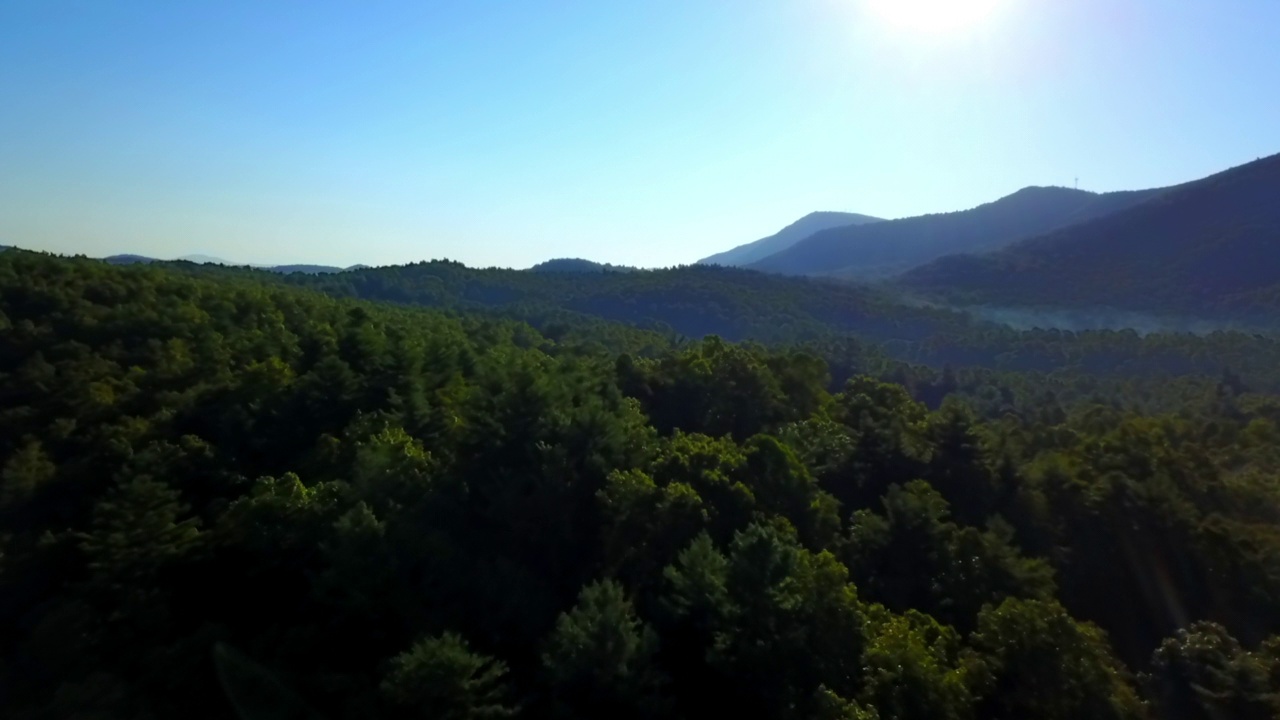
x=933 y=16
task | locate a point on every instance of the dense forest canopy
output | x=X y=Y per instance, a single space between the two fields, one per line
x=231 y=492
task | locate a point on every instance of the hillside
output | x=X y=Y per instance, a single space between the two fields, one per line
x=742 y=305
x=693 y=301
x=886 y=248
x=751 y=252
x=1211 y=247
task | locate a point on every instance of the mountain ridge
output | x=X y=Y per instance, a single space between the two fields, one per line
x=893 y=246
x=1207 y=245
x=797 y=231
x=131 y=259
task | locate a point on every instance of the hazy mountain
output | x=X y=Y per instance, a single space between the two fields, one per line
x=1206 y=246
x=201 y=259
x=127 y=259
x=577 y=265
x=130 y=259
x=786 y=237
x=886 y=248
x=309 y=269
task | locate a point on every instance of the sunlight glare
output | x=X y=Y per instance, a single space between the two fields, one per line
x=933 y=16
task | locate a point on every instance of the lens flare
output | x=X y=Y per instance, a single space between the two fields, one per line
x=933 y=16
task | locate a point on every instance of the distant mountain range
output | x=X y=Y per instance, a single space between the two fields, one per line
x=129 y=259
x=1206 y=249
x=1208 y=246
x=886 y=248
x=814 y=222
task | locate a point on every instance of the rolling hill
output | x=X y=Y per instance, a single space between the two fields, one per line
x=738 y=305
x=130 y=259
x=308 y=269
x=790 y=235
x=127 y=259
x=1208 y=247
x=893 y=246
x=577 y=265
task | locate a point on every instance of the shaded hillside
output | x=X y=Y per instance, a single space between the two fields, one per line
x=693 y=301
x=790 y=235
x=886 y=248
x=1209 y=247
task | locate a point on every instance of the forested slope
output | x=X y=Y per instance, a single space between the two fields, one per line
x=893 y=246
x=1211 y=248
x=743 y=305
x=751 y=252
x=398 y=513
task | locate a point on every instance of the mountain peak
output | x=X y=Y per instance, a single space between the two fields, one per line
x=889 y=247
x=1197 y=247
x=816 y=221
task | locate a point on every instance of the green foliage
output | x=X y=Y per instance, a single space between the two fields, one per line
x=915 y=557
x=599 y=658
x=792 y=623
x=621 y=524
x=442 y=679
x=135 y=531
x=1204 y=672
x=915 y=669
x=1044 y=664
x=23 y=475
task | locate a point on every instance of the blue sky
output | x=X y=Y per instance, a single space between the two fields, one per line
x=650 y=133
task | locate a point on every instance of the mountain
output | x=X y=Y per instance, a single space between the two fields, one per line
x=130 y=259
x=786 y=237
x=127 y=259
x=577 y=265
x=308 y=269
x=204 y=259
x=1206 y=247
x=885 y=248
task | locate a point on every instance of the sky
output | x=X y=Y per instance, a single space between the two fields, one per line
x=637 y=132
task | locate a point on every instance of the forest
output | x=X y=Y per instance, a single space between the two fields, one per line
x=435 y=492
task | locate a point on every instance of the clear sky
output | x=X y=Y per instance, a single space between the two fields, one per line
x=646 y=132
